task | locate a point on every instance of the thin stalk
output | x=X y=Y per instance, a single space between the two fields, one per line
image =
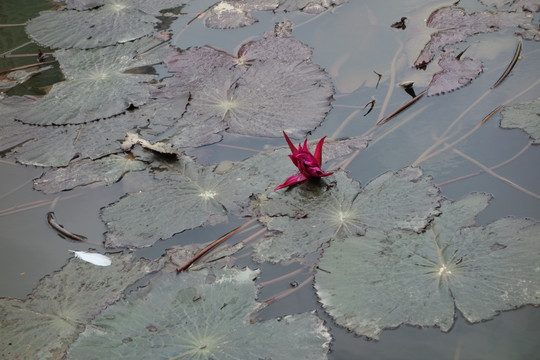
x=239 y=147
x=401 y=108
x=213 y=245
x=510 y=66
x=26 y=66
x=15 y=190
x=400 y=124
x=288 y=292
x=392 y=82
x=492 y=168
x=15 y=49
x=343 y=124
x=282 y=277
x=32 y=205
x=493 y=173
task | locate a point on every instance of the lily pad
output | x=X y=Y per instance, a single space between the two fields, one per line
x=231 y=14
x=261 y=92
x=193 y=316
x=455 y=74
x=382 y=280
x=524 y=116
x=457 y=25
x=53 y=316
x=107 y=170
x=97 y=85
x=102 y=23
x=306 y=217
x=309 y=6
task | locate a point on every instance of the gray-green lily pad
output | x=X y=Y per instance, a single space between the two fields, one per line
x=261 y=92
x=97 y=85
x=524 y=116
x=231 y=14
x=455 y=73
x=193 y=315
x=53 y=316
x=100 y=24
x=106 y=170
x=385 y=279
x=306 y=217
x=309 y=6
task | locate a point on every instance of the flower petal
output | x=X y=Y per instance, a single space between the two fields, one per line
x=293 y=180
x=318 y=151
x=291 y=146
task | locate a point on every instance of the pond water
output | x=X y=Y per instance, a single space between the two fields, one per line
x=350 y=42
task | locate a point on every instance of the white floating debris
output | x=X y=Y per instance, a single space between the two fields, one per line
x=93 y=258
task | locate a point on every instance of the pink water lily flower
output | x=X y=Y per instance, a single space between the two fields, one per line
x=308 y=164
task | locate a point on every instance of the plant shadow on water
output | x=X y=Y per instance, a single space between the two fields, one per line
x=359 y=255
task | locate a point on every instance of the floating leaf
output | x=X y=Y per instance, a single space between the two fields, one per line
x=455 y=74
x=308 y=216
x=97 y=85
x=382 y=280
x=309 y=6
x=458 y=25
x=524 y=116
x=15 y=78
x=188 y=315
x=106 y=170
x=53 y=316
x=104 y=23
x=279 y=90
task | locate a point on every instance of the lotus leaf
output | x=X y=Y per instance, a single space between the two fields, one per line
x=306 y=217
x=385 y=279
x=455 y=74
x=107 y=170
x=279 y=90
x=103 y=23
x=193 y=316
x=523 y=116
x=457 y=25
x=53 y=316
x=97 y=85
x=236 y=13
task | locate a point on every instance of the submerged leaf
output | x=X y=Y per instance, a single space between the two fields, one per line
x=382 y=280
x=190 y=316
x=53 y=316
x=97 y=85
x=308 y=216
x=107 y=170
x=524 y=116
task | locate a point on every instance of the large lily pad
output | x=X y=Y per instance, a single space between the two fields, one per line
x=455 y=74
x=261 y=92
x=524 y=116
x=308 y=216
x=107 y=170
x=102 y=23
x=192 y=316
x=53 y=316
x=97 y=85
x=382 y=280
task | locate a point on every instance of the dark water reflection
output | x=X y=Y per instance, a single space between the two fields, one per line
x=350 y=43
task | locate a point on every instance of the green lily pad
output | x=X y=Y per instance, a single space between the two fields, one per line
x=269 y=87
x=306 y=217
x=101 y=23
x=524 y=116
x=382 y=280
x=97 y=85
x=53 y=316
x=106 y=170
x=192 y=316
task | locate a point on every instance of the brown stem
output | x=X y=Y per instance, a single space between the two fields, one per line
x=26 y=67
x=401 y=108
x=213 y=245
x=288 y=292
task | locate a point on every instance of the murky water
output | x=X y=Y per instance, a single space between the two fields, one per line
x=350 y=42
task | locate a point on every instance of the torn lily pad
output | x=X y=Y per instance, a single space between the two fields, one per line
x=382 y=280
x=101 y=23
x=97 y=85
x=106 y=170
x=192 y=316
x=523 y=116
x=53 y=316
x=455 y=73
x=231 y=14
x=457 y=25
x=261 y=92
x=306 y=217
